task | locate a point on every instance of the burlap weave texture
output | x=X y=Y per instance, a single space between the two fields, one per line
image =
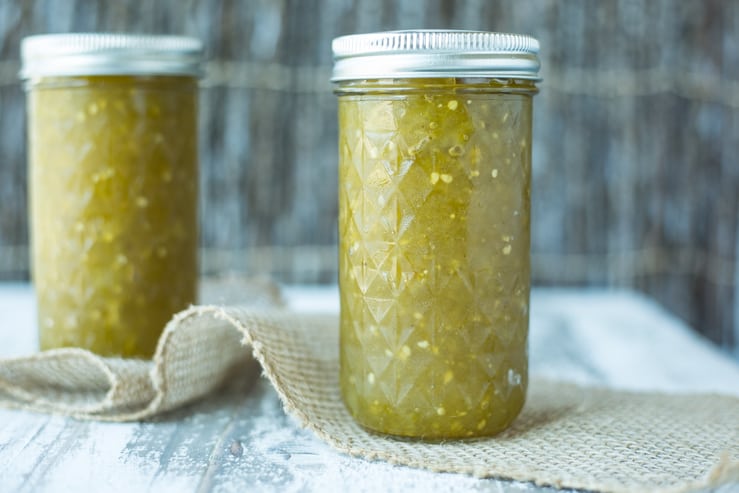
x=569 y=436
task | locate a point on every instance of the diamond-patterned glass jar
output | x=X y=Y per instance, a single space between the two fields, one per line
x=113 y=175
x=434 y=174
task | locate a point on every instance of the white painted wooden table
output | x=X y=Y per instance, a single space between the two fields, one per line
x=240 y=439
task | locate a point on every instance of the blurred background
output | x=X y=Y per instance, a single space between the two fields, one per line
x=636 y=138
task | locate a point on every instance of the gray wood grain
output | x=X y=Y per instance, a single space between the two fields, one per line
x=236 y=441
x=239 y=439
x=636 y=135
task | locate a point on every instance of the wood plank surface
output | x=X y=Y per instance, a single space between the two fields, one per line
x=636 y=176
x=239 y=439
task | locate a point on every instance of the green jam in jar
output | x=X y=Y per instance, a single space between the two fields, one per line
x=114 y=186
x=434 y=193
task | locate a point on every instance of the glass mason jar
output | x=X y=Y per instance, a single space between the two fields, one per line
x=113 y=179
x=434 y=205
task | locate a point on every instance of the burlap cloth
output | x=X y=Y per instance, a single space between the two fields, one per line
x=567 y=436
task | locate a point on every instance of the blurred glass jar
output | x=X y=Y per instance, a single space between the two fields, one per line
x=434 y=201
x=113 y=179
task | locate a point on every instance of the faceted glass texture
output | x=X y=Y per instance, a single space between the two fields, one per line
x=434 y=254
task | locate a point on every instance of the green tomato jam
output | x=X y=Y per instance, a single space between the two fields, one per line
x=434 y=253
x=113 y=182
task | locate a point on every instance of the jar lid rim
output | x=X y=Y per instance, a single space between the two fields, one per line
x=435 y=53
x=73 y=54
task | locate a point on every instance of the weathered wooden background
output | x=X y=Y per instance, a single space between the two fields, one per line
x=635 y=151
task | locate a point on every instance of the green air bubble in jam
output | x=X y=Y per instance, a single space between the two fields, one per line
x=434 y=254
x=113 y=182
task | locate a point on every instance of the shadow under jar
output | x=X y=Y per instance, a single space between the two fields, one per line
x=113 y=177
x=434 y=211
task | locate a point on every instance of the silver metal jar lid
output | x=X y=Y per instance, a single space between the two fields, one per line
x=435 y=53
x=110 y=54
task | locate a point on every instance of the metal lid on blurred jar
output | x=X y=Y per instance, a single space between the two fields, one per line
x=434 y=53
x=110 y=54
